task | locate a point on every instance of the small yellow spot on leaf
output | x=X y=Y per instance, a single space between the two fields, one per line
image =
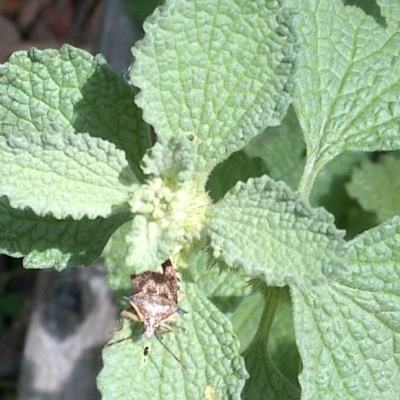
x=210 y=393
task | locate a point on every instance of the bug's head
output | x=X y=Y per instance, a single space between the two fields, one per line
x=150 y=327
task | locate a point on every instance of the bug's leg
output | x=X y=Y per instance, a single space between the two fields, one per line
x=172 y=354
x=181 y=295
x=128 y=315
x=165 y=325
x=117 y=341
x=167 y=328
x=164 y=328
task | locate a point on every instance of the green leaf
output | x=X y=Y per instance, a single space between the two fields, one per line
x=359 y=221
x=266 y=380
x=329 y=189
x=49 y=242
x=47 y=165
x=271 y=232
x=238 y=167
x=138 y=246
x=348 y=331
x=149 y=244
x=173 y=160
x=68 y=90
x=114 y=255
x=215 y=282
x=64 y=174
x=282 y=150
x=205 y=346
x=278 y=152
x=219 y=72
x=370 y=8
x=227 y=289
x=246 y=318
x=376 y=186
x=348 y=81
x=282 y=348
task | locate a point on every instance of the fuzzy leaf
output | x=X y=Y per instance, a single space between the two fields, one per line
x=376 y=186
x=64 y=174
x=329 y=189
x=205 y=346
x=148 y=244
x=213 y=281
x=238 y=167
x=282 y=348
x=70 y=90
x=219 y=72
x=282 y=150
x=266 y=381
x=173 y=160
x=51 y=98
x=273 y=233
x=246 y=318
x=50 y=242
x=348 y=82
x=348 y=331
x=114 y=255
x=225 y=288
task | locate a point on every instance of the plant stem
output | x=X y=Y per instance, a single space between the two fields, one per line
x=308 y=177
x=267 y=317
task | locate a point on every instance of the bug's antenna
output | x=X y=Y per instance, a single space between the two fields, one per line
x=172 y=354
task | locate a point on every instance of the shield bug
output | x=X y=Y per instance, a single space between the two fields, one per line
x=154 y=300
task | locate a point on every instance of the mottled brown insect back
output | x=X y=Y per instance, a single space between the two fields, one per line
x=172 y=279
x=155 y=299
x=162 y=284
x=154 y=312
